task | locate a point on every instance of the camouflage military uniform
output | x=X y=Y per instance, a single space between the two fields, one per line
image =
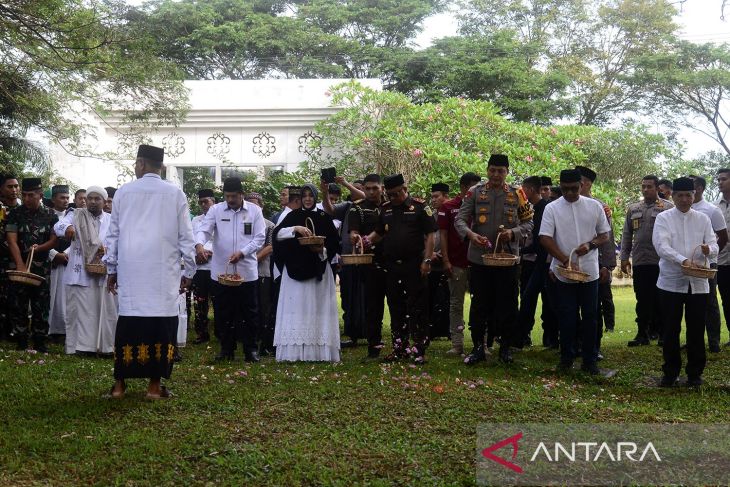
x=6 y=262
x=32 y=227
x=494 y=290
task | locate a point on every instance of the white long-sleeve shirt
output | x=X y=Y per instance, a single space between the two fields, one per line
x=717 y=220
x=573 y=224
x=676 y=238
x=149 y=232
x=207 y=245
x=76 y=274
x=243 y=229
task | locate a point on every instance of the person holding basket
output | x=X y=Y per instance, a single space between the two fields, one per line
x=240 y=231
x=572 y=229
x=684 y=239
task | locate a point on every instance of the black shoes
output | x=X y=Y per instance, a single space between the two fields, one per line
x=373 y=355
x=564 y=366
x=251 y=356
x=667 y=381
x=224 y=356
x=505 y=355
x=477 y=355
x=348 y=344
x=714 y=347
x=22 y=344
x=591 y=369
x=201 y=339
x=695 y=381
x=638 y=341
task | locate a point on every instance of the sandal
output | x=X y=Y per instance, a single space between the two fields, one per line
x=112 y=395
x=165 y=393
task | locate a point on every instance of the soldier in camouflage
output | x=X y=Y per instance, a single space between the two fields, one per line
x=9 y=193
x=30 y=226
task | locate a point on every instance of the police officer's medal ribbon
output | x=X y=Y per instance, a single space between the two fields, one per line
x=482 y=219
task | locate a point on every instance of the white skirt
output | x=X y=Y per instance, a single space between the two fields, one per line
x=92 y=319
x=307 y=321
x=57 y=311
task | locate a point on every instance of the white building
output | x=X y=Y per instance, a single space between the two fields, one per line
x=247 y=125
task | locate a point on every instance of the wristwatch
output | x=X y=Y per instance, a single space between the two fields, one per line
x=592 y=245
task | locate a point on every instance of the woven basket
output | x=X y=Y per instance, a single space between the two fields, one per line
x=230 y=279
x=314 y=240
x=357 y=259
x=499 y=259
x=694 y=270
x=96 y=266
x=26 y=278
x=570 y=273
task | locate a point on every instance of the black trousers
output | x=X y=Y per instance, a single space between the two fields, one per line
x=407 y=293
x=527 y=267
x=648 y=309
x=201 y=293
x=570 y=299
x=494 y=299
x=265 y=331
x=694 y=307
x=439 y=297
x=548 y=315
x=606 y=308
x=352 y=295
x=237 y=314
x=528 y=298
x=723 y=284
x=375 y=285
x=713 y=322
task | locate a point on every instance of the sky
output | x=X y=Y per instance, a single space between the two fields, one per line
x=700 y=21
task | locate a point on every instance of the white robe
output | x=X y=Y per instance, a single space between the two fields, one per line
x=307 y=320
x=57 y=310
x=150 y=231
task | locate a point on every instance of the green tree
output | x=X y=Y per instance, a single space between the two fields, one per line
x=692 y=81
x=244 y=39
x=62 y=60
x=597 y=45
x=494 y=67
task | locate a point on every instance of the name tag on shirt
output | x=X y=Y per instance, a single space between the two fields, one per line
x=247 y=228
x=225 y=219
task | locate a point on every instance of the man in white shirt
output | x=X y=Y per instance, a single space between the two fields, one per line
x=240 y=232
x=149 y=232
x=575 y=222
x=681 y=236
x=202 y=281
x=91 y=311
x=713 y=323
x=723 y=259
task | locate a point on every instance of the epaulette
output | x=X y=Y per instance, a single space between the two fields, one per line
x=418 y=200
x=358 y=201
x=387 y=203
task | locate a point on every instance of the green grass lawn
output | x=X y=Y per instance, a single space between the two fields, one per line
x=317 y=424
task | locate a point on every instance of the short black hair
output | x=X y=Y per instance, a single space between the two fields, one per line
x=665 y=182
x=334 y=188
x=651 y=177
x=358 y=181
x=469 y=179
x=372 y=178
x=699 y=181
x=79 y=191
x=534 y=182
x=6 y=177
x=723 y=170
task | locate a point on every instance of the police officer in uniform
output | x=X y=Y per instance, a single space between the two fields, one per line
x=636 y=242
x=363 y=218
x=490 y=209
x=406 y=228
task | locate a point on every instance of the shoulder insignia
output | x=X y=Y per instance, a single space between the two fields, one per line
x=521 y=195
x=387 y=203
x=358 y=202
x=469 y=194
x=660 y=204
x=428 y=211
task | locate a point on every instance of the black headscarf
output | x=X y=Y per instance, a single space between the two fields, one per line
x=301 y=263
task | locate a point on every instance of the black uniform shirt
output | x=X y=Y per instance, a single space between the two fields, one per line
x=404 y=227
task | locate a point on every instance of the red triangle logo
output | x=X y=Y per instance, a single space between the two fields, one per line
x=512 y=440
